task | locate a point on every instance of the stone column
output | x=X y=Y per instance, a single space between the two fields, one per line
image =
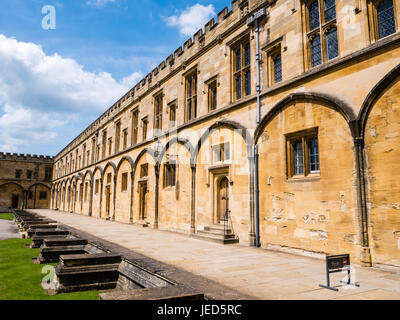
x=157 y=172
x=114 y=197
x=91 y=197
x=131 y=200
x=101 y=196
x=192 y=202
x=252 y=235
x=365 y=255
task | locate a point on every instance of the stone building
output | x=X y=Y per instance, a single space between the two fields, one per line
x=25 y=180
x=280 y=119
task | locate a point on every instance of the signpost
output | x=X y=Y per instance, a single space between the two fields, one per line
x=338 y=263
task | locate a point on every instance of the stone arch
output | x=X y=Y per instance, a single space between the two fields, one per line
x=112 y=164
x=125 y=158
x=14 y=183
x=320 y=98
x=39 y=183
x=245 y=133
x=141 y=154
x=308 y=197
x=379 y=128
x=380 y=88
x=185 y=142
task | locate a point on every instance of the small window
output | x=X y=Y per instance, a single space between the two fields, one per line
x=144 y=128
x=313 y=12
x=158 y=109
x=47 y=173
x=96 y=186
x=104 y=145
x=274 y=64
x=18 y=174
x=86 y=191
x=278 y=68
x=172 y=115
x=169 y=174
x=144 y=170
x=241 y=69
x=108 y=178
x=109 y=146
x=191 y=96
x=386 y=21
x=117 y=136
x=29 y=174
x=221 y=152
x=135 y=123
x=212 y=95
x=30 y=195
x=302 y=153
x=125 y=139
x=124 y=183
x=42 y=195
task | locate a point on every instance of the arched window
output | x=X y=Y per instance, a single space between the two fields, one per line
x=331 y=44
x=316 y=57
x=385 y=14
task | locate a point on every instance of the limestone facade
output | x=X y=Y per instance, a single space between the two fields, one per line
x=25 y=181
x=317 y=170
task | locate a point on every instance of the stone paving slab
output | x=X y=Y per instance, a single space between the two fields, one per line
x=254 y=272
x=8 y=230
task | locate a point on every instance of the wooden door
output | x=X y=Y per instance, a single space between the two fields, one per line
x=223 y=199
x=108 y=196
x=142 y=200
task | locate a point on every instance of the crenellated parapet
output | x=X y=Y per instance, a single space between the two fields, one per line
x=25 y=157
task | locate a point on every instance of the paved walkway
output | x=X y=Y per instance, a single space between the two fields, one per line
x=8 y=230
x=256 y=272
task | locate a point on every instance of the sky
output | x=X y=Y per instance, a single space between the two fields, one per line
x=61 y=69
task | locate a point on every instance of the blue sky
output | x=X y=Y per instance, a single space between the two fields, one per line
x=54 y=83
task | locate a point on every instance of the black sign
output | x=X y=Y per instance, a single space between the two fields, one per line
x=338 y=262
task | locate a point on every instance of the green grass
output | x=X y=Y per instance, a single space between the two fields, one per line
x=6 y=216
x=20 y=279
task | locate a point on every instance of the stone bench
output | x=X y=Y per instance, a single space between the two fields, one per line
x=45 y=232
x=37 y=241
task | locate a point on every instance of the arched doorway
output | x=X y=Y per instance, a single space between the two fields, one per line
x=222 y=199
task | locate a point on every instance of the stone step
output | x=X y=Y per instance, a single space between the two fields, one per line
x=40 y=226
x=215 y=239
x=64 y=242
x=37 y=241
x=52 y=254
x=44 y=222
x=90 y=259
x=44 y=232
x=216 y=230
x=216 y=233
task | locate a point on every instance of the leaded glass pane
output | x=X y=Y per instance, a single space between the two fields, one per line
x=238 y=87
x=316 y=57
x=313 y=155
x=247 y=54
x=314 y=15
x=386 y=22
x=238 y=60
x=332 y=44
x=278 y=68
x=329 y=9
x=298 y=158
x=247 y=83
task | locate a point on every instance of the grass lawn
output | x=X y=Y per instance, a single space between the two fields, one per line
x=6 y=216
x=20 y=279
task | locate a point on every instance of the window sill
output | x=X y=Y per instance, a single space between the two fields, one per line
x=308 y=178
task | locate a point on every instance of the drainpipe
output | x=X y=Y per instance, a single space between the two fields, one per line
x=157 y=172
x=255 y=18
x=257 y=199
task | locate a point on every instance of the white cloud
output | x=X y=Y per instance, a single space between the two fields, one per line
x=191 y=19
x=99 y=3
x=39 y=93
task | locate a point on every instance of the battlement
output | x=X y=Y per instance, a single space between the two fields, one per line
x=25 y=157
